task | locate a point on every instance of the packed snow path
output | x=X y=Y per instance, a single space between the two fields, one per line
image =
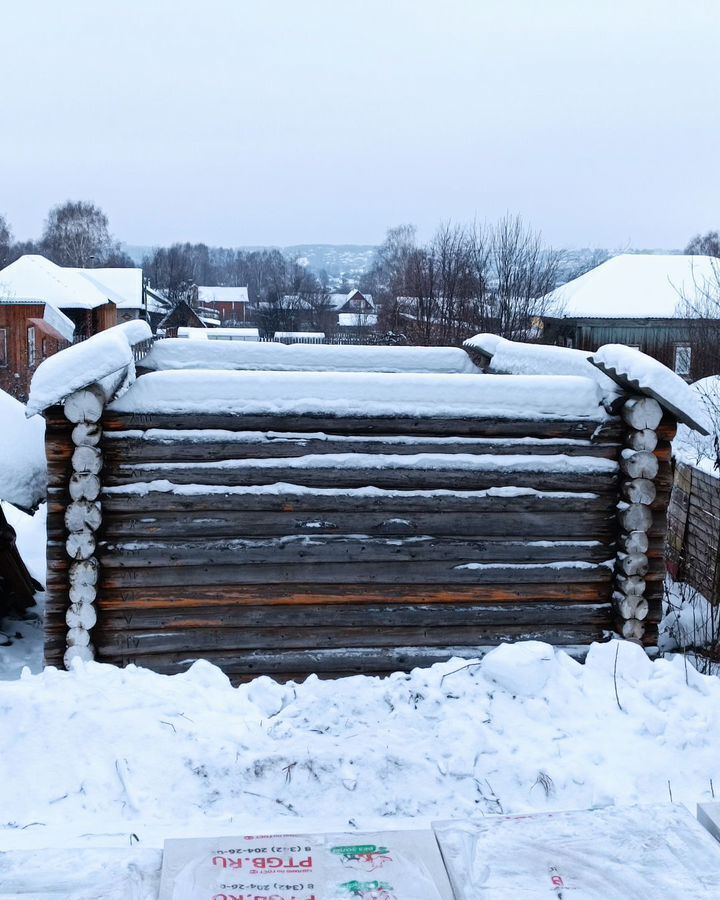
x=526 y=729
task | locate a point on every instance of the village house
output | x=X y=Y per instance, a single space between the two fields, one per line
x=230 y=303
x=44 y=307
x=664 y=305
x=329 y=311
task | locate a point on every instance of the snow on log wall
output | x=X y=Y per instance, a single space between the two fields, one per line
x=288 y=544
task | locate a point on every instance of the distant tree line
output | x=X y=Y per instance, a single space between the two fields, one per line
x=466 y=279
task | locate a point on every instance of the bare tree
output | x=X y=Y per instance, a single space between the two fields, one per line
x=699 y=304
x=525 y=272
x=5 y=243
x=77 y=234
x=707 y=244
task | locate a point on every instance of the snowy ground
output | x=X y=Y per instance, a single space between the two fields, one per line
x=21 y=640
x=116 y=756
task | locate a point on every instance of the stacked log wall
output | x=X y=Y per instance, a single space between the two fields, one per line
x=356 y=568
x=264 y=558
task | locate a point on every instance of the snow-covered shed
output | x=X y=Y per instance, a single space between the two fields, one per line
x=336 y=509
x=655 y=302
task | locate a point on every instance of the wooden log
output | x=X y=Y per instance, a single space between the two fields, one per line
x=144 y=447
x=80 y=544
x=634 y=542
x=81 y=615
x=639 y=490
x=84 y=572
x=85 y=405
x=633 y=564
x=341 y=549
x=82 y=593
x=335 y=573
x=390 y=503
x=647 y=439
x=86 y=434
x=78 y=637
x=632 y=606
x=633 y=629
x=116 y=619
x=639 y=464
x=642 y=413
x=84 y=652
x=231 y=639
x=352 y=660
x=635 y=517
x=84 y=486
x=396 y=478
x=83 y=514
x=363 y=425
x=185 y=596
x=531 y=525
x=87 y=459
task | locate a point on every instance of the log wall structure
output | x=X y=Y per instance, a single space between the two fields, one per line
x=230 y=538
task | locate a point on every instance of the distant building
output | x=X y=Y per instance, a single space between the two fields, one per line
x=661 y=304
x=329 y=311
x=29 y=333
x=355 y=303
x=218 y=334
x=94 y=299
x=230 y=303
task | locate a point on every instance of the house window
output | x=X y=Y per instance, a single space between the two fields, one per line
x=31 y=346
x=3 y=348
x=683 y=358
x=45 y=348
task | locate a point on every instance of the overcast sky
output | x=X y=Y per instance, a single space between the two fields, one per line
x=296 y=121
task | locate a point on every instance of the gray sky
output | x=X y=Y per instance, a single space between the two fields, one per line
x=287 y=121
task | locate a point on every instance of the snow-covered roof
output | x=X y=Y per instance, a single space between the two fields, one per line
x=107 y=358
x=339 y=300
x=529 y=397
x=34 y=279
x=59 y=321
x=270 y=356
x=208 y=294
x=639 y=285
x=122 y=286
x=315 y=335
x=218 y=334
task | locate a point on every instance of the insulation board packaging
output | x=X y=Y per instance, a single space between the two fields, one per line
x=603 y=854
x=392 y=865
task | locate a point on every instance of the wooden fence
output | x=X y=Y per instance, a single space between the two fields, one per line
x=693 y=539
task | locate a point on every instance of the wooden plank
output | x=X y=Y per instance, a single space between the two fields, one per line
x=360 y=615
x=118 y=449
x=391 y=503
x=342 y=549
x=611 y=430
x=400 y=478
x=354 y=660
x=550 y=525
x=183 y=597
x=331 y=573
x=199 y=640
